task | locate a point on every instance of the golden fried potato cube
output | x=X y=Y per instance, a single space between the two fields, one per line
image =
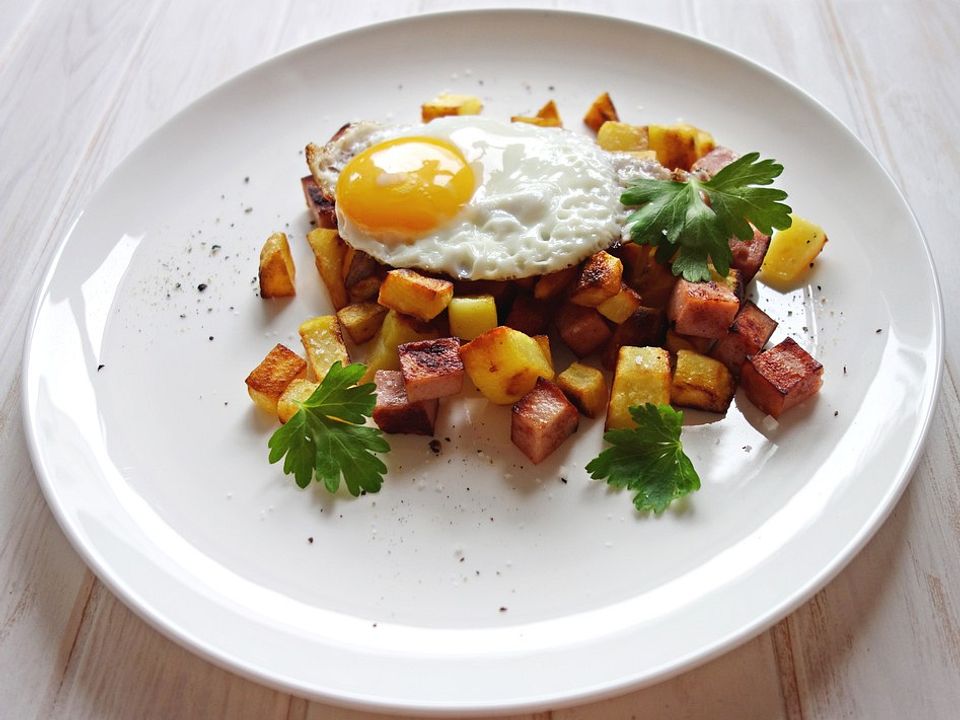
x=792 y=252
x=622 y=137
x=642 y=376
x=701 y=382
x=547 y=116
x=396 y=330
x=585 y=387
x=472 y=316
x=552 y=284
x=680 y=145
x=675 y=342
x=271 y=377
x=450 y=104
x=599 y=280
x=322 y=339
x=601 y=111
x=411 y=293
x=544 y=342
x=329 y=251
x=361 y=320
x=504 y=364
x=621 y=306
x=277 y=273
x=297 y=392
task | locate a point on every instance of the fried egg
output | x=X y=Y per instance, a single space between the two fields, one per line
x=475 y=198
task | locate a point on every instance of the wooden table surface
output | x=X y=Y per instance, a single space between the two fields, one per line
x=82 y=83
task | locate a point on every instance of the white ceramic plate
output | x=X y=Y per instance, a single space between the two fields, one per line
x=474 y=581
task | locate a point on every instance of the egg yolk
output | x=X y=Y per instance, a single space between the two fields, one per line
x=405 y=187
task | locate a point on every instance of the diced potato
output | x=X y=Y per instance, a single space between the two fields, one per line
x=792 y=252
x=541 y=420
x=601 y=111
x=271 y=377
x=680 y=145
x=599 y=280
x=618 y=308
x=322 y=339
x=701 y=382
x=277 y=273
x=549 y=112
x=472 y=316
x=547 y=116
x=781 y=377
x=361 y=275
x=675 y=342
x=329 y=251
x=411 y=293
x=551 y=285
x=645 y=327
x=396 y=330
x=642 y=376
x=361 y=320
x=450 y=104
x=504 y=364
x=586 y=388
x=297 y=392
x=544 y=342
x=622 y=137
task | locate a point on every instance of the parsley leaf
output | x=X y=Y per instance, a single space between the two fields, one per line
x=326 y=437
x=648 y=459
x=691 y=222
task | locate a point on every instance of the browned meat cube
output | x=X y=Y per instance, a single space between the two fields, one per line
x=431 y=368
x=746 y=337
x=583 y=329
x=321 y=207
x=528 y=315
x=551 y=285
x=781 y=377
x=748 y=255
x=704 y=309
x=394 y=413
x=652 y=280
x=541 y=420
x=645 y=327
x=714 y=161
x=361 y=275
x=675 y=342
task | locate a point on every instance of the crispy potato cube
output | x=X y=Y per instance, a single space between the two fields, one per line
x=618 y=308
x=504 y=364
x=450 y=104
x=396 y=330
x=549 y=112
x=701 y=382
x=361 y=320
x=414 y=294
x=472 y=316
x=750 y=331
x=547 y=116
x=642 y=376
x=329 y=251
x=582 y=329
x=601 y=111
x=553 y=284
x=321 y=208
x=270 y=378
x=394 y=412
x=431 y=368
x=599 y=280
x=528 y=315
x=297 y=392
x=502 y=291
x=704 y=309
x=541 y=420
x=680 y=145
x=544 y=342
x=277 y=273
x=781 y=377
x=792 y=252
x=652 y=280
x=714 y=161
x=586 y=388
x=622 y=137
x=645 y=327
x=322 y=340
x=675 y=342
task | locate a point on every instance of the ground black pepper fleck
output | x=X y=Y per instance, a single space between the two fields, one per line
x=100 y=367
x=310 y=540
x=879 y=330
x=502 y=609
x=201 y=287
x=435 y=446
x=211 y=338
x=563 y=480
x=836 y=412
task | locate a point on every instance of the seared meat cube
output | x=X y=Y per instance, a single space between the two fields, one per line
x=703 y=309
x=583 y=329
x=394 y=413
x=599 y=280
x=528 y=315
x=781 y=377
x=701 y=382
x=645 y=327
x=746 y=337
x=541 y=420
x=748 y=255
x=431 y=368
x=713 y=162
x=654 y=281
x=322 y=209
x=361 y=275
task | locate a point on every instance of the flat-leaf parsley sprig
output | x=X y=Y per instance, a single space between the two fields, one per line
x=326 y=438
x=691 y=222
x=648 y=459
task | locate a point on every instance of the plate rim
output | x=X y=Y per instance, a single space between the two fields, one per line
x=798 y=597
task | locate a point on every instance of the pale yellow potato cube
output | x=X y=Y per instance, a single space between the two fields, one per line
x=450 y=104
x=297 y=392
x=472 y=316
x=622 y=137
x=792 y=252
x=361 y=320
x=504 y=364
x=586 y=388
x=270 y=378
x=621 y=306
x=322 y=340
x=701 y=382
x=642 y=376
x=277 y=272
x=411 y=293
x=329 y=251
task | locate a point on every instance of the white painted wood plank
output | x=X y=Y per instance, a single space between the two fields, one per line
x=15 y=19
